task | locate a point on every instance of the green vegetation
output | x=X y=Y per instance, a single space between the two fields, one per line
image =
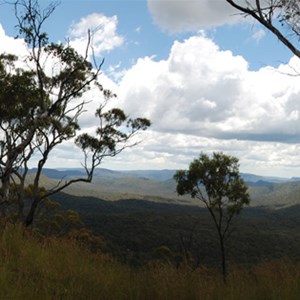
x=134 y=229
x=117 y=185
x=51 y=268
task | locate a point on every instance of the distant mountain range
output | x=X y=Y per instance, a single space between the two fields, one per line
x=158 y=175
x=159 y=186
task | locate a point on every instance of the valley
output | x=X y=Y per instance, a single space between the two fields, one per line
x=159 y=186
x=139 y=212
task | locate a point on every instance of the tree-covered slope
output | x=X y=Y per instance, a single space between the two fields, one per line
x=159 y=186
x=135 y=229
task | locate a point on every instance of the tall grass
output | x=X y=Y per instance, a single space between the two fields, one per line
x=32 y=268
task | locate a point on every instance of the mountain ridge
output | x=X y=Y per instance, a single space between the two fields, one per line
x=159 y=186
x=159 y=175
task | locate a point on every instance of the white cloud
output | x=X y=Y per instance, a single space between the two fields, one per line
x=11 y=45
x=258 y=35
x=203 y=91
x=176 y=151
x=104 y=33
x=193 y=15
x=204 y=99
x=186 y=15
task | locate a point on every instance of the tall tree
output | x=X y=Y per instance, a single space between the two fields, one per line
x=40 y=104
x=281 y=17
x=216 y=182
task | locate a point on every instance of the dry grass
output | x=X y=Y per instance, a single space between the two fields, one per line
x=59 y=269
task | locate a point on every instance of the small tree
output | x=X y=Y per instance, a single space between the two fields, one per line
x=216 y=182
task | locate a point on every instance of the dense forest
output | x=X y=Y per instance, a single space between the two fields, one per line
x=136 y=230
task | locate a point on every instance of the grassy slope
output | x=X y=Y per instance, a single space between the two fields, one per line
x=60 y=269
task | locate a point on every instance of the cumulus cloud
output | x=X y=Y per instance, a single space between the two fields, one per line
x=203 y=91
x=186 y=15
x=103 y=30
x=176 y=151
x=205 y=99
x=11 y=45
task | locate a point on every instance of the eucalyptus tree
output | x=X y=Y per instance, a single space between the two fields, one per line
x=216 y=182
x=41 y=100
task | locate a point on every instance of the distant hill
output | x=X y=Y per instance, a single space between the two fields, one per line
x=252 y=178
x=159 y=175
x=260 y=183
x=159 y=186
x=59 y=174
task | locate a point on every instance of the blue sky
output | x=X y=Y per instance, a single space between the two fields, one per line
x=208 y=79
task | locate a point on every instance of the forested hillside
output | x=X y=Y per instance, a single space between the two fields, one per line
x=135 y=230
x=160 y=186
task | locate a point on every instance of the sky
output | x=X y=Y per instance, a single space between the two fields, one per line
x=208 y=79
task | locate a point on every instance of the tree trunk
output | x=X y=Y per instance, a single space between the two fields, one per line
x=4 y=195
x=223 y=258
x=30 y=216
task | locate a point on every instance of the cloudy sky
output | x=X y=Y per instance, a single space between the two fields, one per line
x=208 y=79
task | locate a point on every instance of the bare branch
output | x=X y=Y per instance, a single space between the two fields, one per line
x=266 y=19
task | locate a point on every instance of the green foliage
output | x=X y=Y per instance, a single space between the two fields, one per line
x=220 y=178
x=18 y=91
x=108 y=134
